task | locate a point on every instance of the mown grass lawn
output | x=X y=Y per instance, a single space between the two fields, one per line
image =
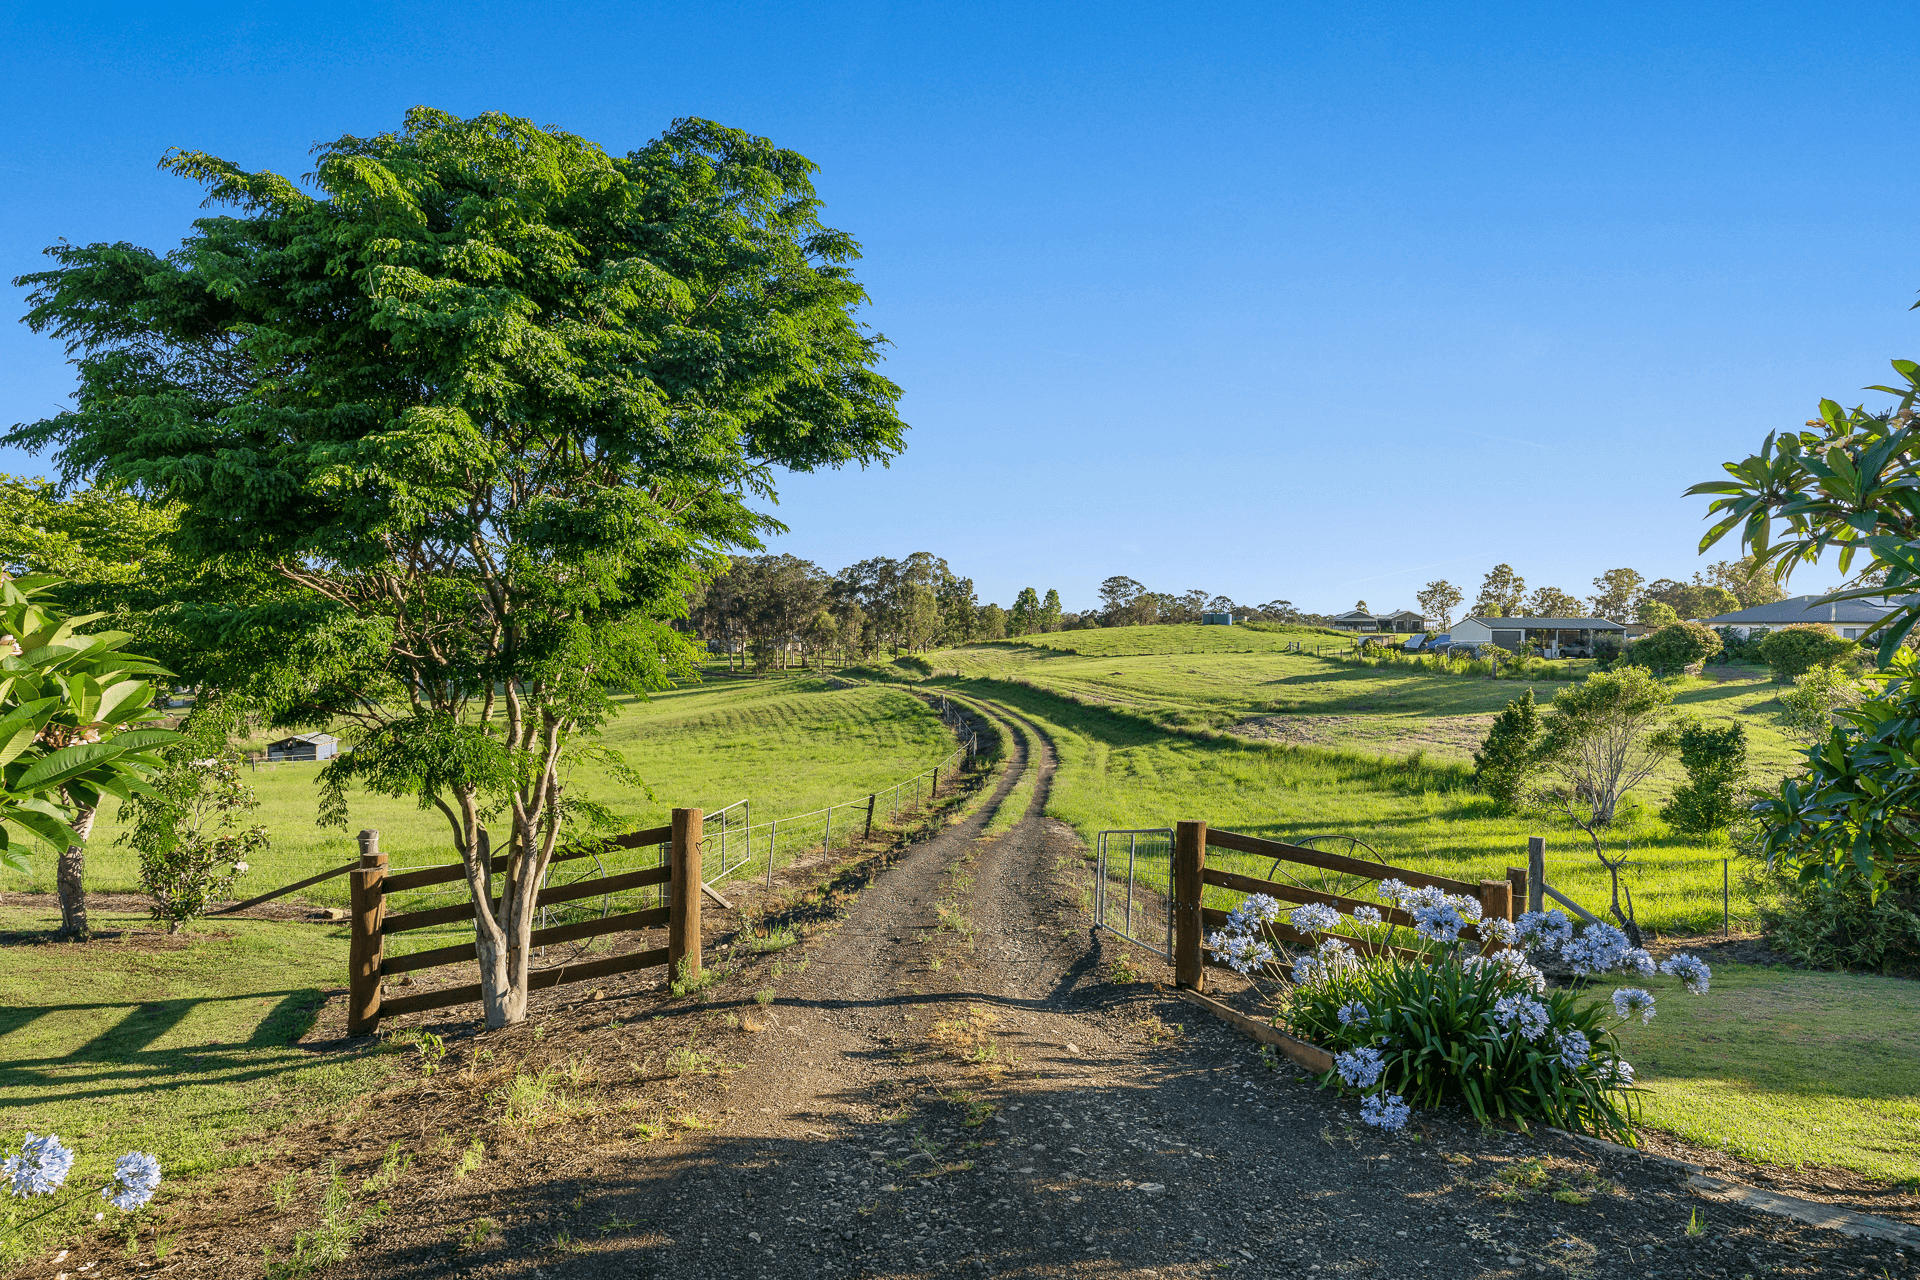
x=183 y=1048
x=1787 y=1067
x=791 y=743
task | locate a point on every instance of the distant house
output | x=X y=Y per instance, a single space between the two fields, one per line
x=304 y=746
x=1559 y=637
x=1848 y=619
x=1381 y=623
x=1216 y=619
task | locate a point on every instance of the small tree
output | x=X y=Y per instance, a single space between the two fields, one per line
x=1437 y=602
x=1552 y=602
x=1808 y=709
x=1795 y=650
x=1025 y=617
x=1716 y=763
x=1615 y=594
x=1656 y=613
x=1509 y=757
x=1605 y=736
x=993 y=622
x=1049 y=615
x=1501 y=593
x=188 y=830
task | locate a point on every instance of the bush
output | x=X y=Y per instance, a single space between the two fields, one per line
x=1794 y=650
x=1842 y=926
x=1678 y=647
x=1716 y=765
x=1735 y=647
x=1510 y=754
x=1607 y=648
x=1817 y=693
x=187 y=831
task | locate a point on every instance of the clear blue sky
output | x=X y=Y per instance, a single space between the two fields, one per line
x=1310 y=301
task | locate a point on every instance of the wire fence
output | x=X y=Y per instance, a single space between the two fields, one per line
x=1133 y=912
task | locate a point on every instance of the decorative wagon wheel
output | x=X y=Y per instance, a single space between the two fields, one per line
x=1346 y=884
x=560 y=874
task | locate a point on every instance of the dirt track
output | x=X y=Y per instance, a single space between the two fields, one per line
x=863 y=1140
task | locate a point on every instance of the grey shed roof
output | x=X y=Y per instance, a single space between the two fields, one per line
x=1548 y=624
x=315 y=738
x=1783 y=613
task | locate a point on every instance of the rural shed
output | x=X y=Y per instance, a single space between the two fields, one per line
x=304 y=746
x=1560 y=637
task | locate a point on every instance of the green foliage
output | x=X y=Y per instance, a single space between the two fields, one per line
x=1792 y=651
x=1434 y=1021
x=1818 y=692
x=187 y=829
x=1509 y=757
x=1656 y=613
x=1677 y=647
x=1716 y=763
x=1846 y=484
x=491 y=404
x=331 y=1240
x=1604 y=737
x=1851 y=812
x=1844 y=925
x=1738 y=647
x=71 y=709
x=1607 y=648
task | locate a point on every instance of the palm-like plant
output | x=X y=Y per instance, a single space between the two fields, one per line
x=76 y=712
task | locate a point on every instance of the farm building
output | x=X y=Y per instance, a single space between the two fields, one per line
x=1560 y=637
x=304 y=746
x=1406 y=620
x=1848 y=619
x=1216 y=619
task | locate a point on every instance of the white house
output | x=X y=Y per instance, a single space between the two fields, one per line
x=1560 y=637
x=1848 y=619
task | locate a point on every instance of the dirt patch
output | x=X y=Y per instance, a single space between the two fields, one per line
x=1454 y=737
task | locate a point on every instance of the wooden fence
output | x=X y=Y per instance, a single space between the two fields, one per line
x=371 y=925
x=1191 y=876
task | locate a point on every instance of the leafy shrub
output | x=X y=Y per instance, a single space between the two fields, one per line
x=1818 y=692
x=1510 y=754
x=1677 y=647
x=187 y=830
x=1794 y=650
x=1607 y=648
x=1716 y=763
x=1735 y=647
x=1842 y=925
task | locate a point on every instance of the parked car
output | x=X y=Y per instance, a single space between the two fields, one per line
x=1426 y=644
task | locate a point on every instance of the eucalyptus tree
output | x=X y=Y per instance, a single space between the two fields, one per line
x=490 y=403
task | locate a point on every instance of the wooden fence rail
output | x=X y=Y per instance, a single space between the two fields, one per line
x=1191 y=876
x=368 y=964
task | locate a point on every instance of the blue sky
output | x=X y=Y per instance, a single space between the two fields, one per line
x=1315 y=302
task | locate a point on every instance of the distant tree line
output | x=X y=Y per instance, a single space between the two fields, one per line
x=1619 y=595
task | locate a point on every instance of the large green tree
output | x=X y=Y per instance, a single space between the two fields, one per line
x=488 y=403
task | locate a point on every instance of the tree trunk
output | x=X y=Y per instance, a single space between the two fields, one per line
x=70 y=876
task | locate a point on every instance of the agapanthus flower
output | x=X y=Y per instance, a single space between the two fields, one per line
x=1530 y=1016
x=1637 y=960
x=1367 y=915
x=1600 y=948
x=1504 y=932
x=1254 y=910
x=1440 y=922
x=1359 y=1068
x=40 y=1168
x=1617 y=1072
x=1520 y=969
x=1243 y=953
x=1549 y=929
x=135 y=1178
x=1691 y=970
x=1354 y=1014
x=1572 y=1048
x=1394 y=891
x=1336 y=956
x=1628 y=1001
x=1314 y=917
x=1385 y=1110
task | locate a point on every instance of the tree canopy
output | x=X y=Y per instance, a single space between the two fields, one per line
x=487 y=403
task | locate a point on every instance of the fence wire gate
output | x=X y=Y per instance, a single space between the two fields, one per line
x=1133 y=868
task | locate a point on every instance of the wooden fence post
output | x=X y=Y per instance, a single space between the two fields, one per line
x=1189 y=861
x=1536 y=872
x=683 y=924
x=1517 y=877
x=365 y=947
x=1496 y=903
x=870 y=800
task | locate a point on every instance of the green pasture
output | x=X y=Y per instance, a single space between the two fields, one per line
x=1168 y=638
x=1787 y=1067
x=1118 y=770
x=790 y=743
x=182 y=1048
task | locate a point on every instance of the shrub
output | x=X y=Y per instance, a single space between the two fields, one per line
x=1794 y=650
x=1678 y=647
x=187 y=830
x=1841 y=925
x=1657 y=614
x=1818 y=692
x=1735 y=647
x=1716 y=765
x=1510 y=754
x=1607 y=648
x=1605 y=736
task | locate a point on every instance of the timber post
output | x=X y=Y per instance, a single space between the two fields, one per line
x=683 y=922
x=1517 y=877
x=1536 y=872
x=1496 y=903
x=1189 y=861
x=365 y=946
x=870 y=801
